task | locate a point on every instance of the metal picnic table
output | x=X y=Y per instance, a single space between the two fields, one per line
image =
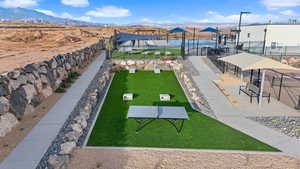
x=144 y=115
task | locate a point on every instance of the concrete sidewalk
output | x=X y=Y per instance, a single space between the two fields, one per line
x=30 y=151
x=234 y=117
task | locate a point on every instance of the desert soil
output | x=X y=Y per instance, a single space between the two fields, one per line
x=179 y=159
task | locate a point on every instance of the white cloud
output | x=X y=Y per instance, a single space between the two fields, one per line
x=19 y=3
x=215 y=17
x=146 y=20
x=85 y=19
x=47 y=12
x=109 y=12
x=288 y=13
x=76 y=3
x=65 y=15
x=275 y=4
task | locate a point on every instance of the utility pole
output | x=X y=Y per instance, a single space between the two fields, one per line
x=264 y=45
x=239 y=31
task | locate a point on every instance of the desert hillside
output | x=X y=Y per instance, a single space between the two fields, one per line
x=23 y=43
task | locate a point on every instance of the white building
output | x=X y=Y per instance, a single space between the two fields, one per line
x=276 y=35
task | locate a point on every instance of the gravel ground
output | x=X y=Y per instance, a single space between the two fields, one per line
x=287 y=125
x=179 y=159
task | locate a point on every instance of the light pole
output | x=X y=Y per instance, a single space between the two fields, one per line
x=240 y=22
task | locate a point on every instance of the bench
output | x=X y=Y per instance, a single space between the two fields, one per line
x=253 y=91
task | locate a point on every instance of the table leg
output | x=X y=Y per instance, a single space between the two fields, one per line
x=173 y=122
x=142 y=123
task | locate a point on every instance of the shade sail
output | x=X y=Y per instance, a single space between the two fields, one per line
x=177 y=30
x=247 y=61
x=210 y=29
x=124 y=37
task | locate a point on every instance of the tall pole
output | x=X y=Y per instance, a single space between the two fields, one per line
x=239 y=31
x=194 y=37
x=183 y=45
x=264 y=45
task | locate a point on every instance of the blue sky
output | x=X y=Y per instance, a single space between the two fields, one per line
x=163 y=11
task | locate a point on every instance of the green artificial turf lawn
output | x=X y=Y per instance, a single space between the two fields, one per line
x=150 y=55
x=200 y=132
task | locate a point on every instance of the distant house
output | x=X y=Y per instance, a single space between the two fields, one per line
x=275 y=35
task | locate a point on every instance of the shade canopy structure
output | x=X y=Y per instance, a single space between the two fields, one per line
x=247 y=61
x=180 y=30
x=177 y=30
x=124 y=37
x=210 y=29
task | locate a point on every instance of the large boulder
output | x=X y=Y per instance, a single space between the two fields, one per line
x=72 y=136
x=4 y=91
x=61 y=73
x=52 y=64
x=56 y=162
x=149 y=66
x=13 y=84
x=130 y=62
x=67 y=148
x=7 y=122
x=47 y=91
x=14 y=74
x=43 y=69
x=21 y=99
x=4 y=105
x=30 y=78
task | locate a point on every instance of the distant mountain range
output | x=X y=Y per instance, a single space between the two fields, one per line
x=33 y=16
x=186 y=24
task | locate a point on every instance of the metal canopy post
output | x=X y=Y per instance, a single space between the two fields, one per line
x=262 y=87
x=280 y=87
x=194 y=37
x=183 y=45
x=242 y=78
x=198 y=47
x=258 y=75
x=251 y=76
x=188 y=47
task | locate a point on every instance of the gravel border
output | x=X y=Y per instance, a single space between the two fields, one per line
x=189 y=71
x=289 y=126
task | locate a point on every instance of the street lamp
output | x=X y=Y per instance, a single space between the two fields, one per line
x=240 y=22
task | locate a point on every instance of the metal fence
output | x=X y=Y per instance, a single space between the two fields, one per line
x=278 y=50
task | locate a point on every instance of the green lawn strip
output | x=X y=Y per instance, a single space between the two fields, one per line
x=200 y=132
x=150 y=55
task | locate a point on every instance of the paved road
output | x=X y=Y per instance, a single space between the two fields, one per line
x=233 y=117
x=30 y=151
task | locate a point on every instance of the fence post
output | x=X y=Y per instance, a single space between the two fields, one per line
x=298 y=105
x=188 y=47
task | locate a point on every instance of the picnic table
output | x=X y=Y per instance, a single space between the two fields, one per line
x=144 y=115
